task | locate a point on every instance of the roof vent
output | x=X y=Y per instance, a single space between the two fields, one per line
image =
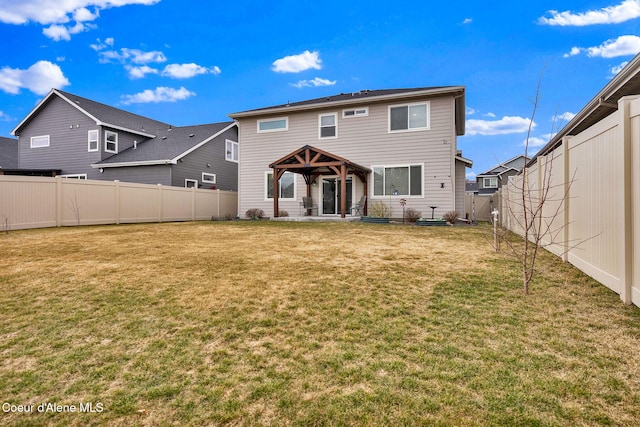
x=191 y=135
x=135 y=144
x=164 y=137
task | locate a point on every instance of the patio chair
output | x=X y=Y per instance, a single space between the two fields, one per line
x=358 y=208
x=306 y=205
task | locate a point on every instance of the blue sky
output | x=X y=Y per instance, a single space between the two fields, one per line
x=190 y=62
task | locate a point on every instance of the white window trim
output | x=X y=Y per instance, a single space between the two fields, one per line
x=335 y=118
x=226 y=150
x=266 y=188
x=106 y=142
x=427 y=103
x=40 y=145
x=206 y=175
x=97 y=140
x=484 y=182
x=274 y=119
x=187 y=180
x=74 y=176
x=399 y=196
x=355 y=112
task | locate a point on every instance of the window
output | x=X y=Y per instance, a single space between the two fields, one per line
x=110 y=141
x=191 y=183
x=490 y=182
x=93 y=141
x=39 y=141
x=409 y=117
x=76 y=176
x=328 y=124
x=397 y=180
x=287 y=186
x=231 y=151
x=273 y=125
x=356 y=112
x=209 y=178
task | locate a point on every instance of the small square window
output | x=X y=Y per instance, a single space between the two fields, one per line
x=209 y=178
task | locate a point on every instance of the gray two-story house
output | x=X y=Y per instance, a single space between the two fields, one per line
x=387 y=145
x=84 y=139
x=492 y=180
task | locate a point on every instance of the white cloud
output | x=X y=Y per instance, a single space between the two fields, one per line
x=471 y=176
x=617 y=68
x=627 y=10
x=100 y=45
x=470 y=111
x=539 y=141
x=622 y=46
x=186 y=71
x=159 y=94
x=39 y=78
x=490 y=114
x=57 y=14
x=297 y=63
x=314 y=83
x=140 y=72
x=504 y=126
x=467 y=21
x=563 y=118
x=135 y=56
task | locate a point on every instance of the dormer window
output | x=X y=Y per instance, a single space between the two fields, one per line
x=110 y=142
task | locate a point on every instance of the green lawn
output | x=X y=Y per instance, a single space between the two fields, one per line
x=264 y=323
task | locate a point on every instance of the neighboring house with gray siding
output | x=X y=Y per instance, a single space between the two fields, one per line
x=8 y=154
x=495 y=178
x=88 y=140
x=394 y=144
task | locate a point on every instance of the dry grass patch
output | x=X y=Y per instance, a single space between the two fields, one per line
x=259 y=323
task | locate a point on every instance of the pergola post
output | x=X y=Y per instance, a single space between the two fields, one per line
x=343 y=190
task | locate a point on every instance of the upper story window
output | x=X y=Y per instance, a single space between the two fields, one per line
x=409 y=117
x=231 y=151
x=39 y=141
x=273 y=125
x=490 y=182
x=328 y=125
x=94 y=144
x=110 y=141
x=356 y=112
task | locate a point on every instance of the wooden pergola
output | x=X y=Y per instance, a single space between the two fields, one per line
x=311 y=163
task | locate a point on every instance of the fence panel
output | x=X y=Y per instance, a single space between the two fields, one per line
x=635 y=192
x=35 y=202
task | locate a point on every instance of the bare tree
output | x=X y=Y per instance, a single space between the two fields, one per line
x=533 y=206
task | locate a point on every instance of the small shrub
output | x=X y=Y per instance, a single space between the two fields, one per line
x=379 y=210
x=228 y=217
x=411 y=215
x=283 y=213
x=254 y=213
x=451 y=217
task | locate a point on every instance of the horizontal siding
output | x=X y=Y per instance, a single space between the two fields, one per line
x=212 y=153
x=363 y=140
x=156 y=174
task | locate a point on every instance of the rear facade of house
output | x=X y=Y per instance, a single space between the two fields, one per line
x=406 y=137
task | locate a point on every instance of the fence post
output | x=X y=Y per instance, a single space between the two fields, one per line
x=58 y=201
x=566 y=219
x=117 y=197
x=193 y=203
x=159 y=202
x=624 y=107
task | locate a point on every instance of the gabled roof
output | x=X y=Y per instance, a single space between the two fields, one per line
x=8 y=153
x=367 y=96
x=102 y=114
x=169 y=146
x=514 y=164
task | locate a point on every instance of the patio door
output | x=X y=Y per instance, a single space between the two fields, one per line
x=331 y=196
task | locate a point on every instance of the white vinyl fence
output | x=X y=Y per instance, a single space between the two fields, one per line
x=593 y=208
x=37 y=202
